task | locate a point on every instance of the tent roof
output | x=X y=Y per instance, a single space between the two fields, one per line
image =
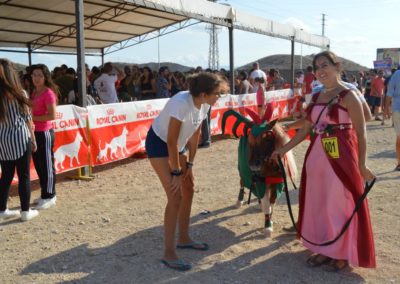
x=50 y=25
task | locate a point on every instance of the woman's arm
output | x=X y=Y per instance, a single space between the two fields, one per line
x=51 y=114
x=299 y=137
x=153 y=86
x=174 y=129
x=354 y=108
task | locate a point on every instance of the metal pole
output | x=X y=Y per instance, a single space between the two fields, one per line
x=301 y=54
x=231 y=60
x=158 y=43
x=102 y=57
x=292 y=64
x=80 y=48
x=30 y=54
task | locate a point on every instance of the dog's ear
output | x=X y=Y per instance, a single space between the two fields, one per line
x=272 y=124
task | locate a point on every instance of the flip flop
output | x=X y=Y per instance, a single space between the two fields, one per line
x=178 y=264
x=194 y=245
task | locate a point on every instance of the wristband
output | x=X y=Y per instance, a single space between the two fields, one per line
x=177 y=173
x=189 y=165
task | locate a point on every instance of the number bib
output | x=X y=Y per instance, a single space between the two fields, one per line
x=331 y=147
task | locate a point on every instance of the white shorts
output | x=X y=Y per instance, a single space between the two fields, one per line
x=396 y=122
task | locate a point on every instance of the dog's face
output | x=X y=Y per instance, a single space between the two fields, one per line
x=260 y=150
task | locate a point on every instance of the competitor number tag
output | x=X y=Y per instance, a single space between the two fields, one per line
x=331 y=147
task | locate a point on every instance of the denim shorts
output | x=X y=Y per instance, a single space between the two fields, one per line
x=157 y=148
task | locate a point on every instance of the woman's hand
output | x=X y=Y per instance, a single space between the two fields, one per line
x=366 y=173
x=176 y=184
x=34 y=145
x=188 y=175
x=276 y=154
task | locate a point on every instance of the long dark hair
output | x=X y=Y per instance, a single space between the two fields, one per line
x=151 y=77
x=11 y=88
x=48 y=82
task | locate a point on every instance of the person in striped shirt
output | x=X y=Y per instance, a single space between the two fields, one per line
x=16 y=142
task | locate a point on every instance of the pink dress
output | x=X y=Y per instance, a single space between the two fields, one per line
x=330 y=188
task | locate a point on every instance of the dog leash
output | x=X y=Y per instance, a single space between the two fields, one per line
x=367 y=188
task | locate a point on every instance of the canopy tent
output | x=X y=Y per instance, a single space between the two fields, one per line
x=105 y=26
x=110 y=25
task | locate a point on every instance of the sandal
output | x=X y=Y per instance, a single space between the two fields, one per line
x=317 y=260
x=194 y=245
x=397 y=168
x=177 y=264
x=337 y=265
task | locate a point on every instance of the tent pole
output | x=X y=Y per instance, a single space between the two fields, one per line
x=292 y=64
x=231 y=60
x=102 y=57
x=80 y=44
x=29 y=54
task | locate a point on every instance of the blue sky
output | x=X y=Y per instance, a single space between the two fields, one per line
x=356 y=29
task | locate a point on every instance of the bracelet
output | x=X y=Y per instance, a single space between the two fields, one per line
x=189 y=165
x=177 y=173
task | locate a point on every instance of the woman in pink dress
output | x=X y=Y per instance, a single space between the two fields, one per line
x=334 y=173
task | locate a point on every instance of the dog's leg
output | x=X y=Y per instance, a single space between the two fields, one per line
x=267 y=210
x=240 y=201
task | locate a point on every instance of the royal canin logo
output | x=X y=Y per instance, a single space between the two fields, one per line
x=110 y=111
x=148 y=107
x=59 y=115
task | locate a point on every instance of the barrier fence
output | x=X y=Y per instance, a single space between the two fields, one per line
x=100 y=134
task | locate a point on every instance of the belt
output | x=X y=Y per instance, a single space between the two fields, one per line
x=341 y=126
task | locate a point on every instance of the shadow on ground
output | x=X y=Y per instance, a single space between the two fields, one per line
x=136 y=259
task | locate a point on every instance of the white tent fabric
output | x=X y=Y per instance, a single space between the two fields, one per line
x=50 y=24
x=240 y=20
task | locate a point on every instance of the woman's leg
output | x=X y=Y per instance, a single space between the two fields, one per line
x=7 y=174
x=162 y=169
x=23 y=172
x=185 y=206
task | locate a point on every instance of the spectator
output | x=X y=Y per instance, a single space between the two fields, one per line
x=277 y=81
x=260 y=96
x=393 y=98
x=148 y=84
x=376 y=97
x=123 y=94
x=133 y=84
x=308 y=80
x=105 y=83
x=367 y=88
x=256 y=73
x=178 y=83
x=65 y=84
x=244 y=85
x=16 y=142
x=44 y=112
x=163 y=84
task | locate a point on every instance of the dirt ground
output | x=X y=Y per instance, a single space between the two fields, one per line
x=109 y=230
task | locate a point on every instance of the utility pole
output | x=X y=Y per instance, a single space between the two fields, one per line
x=213 y=50
x=323 y=25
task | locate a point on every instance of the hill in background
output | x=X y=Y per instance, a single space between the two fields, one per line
x=282 y=62
x=278 y=61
